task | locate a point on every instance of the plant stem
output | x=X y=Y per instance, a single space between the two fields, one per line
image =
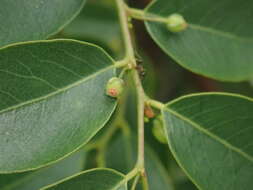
x=136 y=180
x=155 y=104
x=125 y=30
x=122 y=73
x=140 y=92
x=145 y=183
x=128 y=177
x=141 y=15
x=131 y=174
x=140 y=123
x=121 y=63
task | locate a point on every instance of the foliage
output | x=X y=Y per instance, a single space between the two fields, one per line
x=72 y=116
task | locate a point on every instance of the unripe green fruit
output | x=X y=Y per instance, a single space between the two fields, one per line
x=176 y=23
x=158 y=131
x=115 y=87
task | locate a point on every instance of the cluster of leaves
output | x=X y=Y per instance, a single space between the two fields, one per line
x=53 y=102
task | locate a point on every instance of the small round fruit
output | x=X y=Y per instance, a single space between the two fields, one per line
x=158 y=131
x=176 y=23
x=115 y=87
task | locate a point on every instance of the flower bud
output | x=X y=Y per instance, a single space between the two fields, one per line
x=176 y=23
x=158 y=131
x=115 y=87
x=148 y=112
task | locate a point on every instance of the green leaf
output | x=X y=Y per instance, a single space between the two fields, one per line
x=26 y=20
x=122 y=154
x=211 y=136
x=94 y=18
x=46 y=176
x=186 y=185
x=52 y=101
x=95 y=179
x=217 y=43
x=243 y=87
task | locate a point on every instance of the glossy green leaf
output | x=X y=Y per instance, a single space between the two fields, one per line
x=218 y=42
x=211 y=136
x=45 y=176
x=94 y=18
x=122 y=154
x=26 y=20
x=95 y=179
x=52 y=101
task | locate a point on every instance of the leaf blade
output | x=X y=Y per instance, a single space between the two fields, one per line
x=25 y=143
x=45 y=176
x=35 y=20
x=208 y=157
x=217 y=51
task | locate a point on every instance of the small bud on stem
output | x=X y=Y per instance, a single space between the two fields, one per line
x=176 y=23
x=148 y=112
x=114 y=87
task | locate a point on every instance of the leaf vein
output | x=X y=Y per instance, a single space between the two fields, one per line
x=59 y=90
x=211 y=135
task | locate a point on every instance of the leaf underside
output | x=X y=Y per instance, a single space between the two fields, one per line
x=47 y=107
x=211 y=137
x=217 y=43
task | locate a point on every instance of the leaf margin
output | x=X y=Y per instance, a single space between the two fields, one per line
x=83 y=172
x=61 y=27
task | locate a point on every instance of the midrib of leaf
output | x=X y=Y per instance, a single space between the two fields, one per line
x=220 y=33
x=208 y=133
x=118 y=185
x=59 y=90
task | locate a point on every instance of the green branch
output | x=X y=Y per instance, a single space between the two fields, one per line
x=156 y=104
x=142 y=15
x=140 y=92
